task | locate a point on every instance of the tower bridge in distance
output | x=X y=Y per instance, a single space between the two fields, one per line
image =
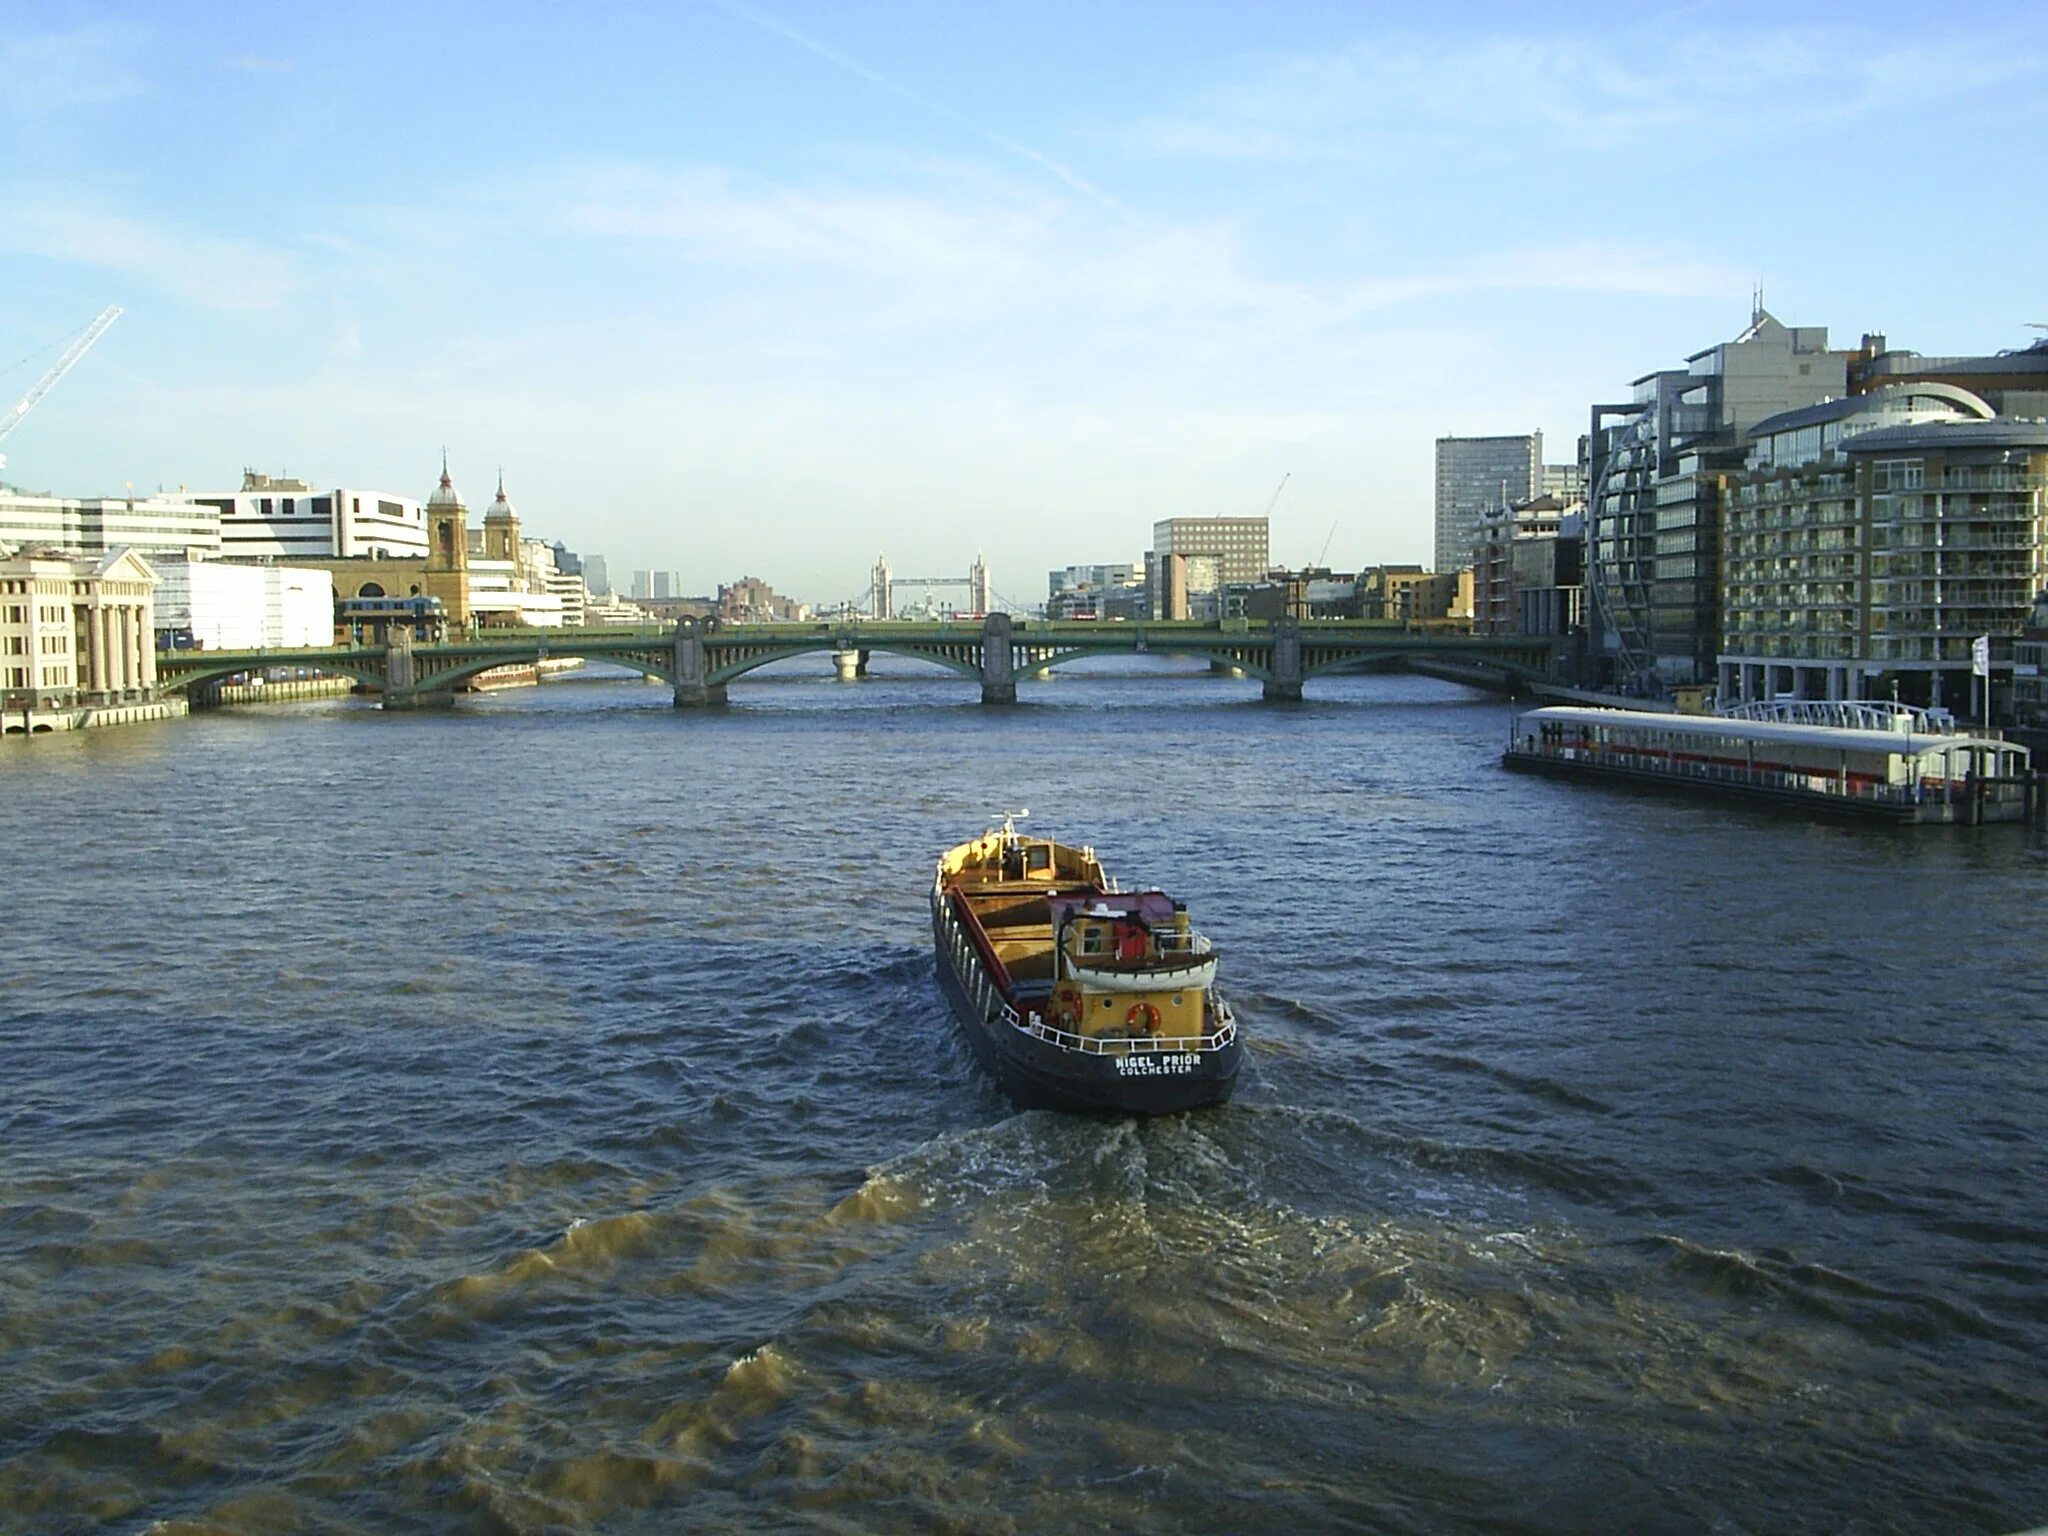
x=701 y=658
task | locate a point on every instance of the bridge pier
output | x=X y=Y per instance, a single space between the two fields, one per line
x=401 y=672
x=998 y=661
x=1283 y=684
x=692 y=689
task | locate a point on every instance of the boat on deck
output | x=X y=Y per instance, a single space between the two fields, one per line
x=1076 y=994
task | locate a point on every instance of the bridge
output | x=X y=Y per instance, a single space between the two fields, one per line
x=700 y=658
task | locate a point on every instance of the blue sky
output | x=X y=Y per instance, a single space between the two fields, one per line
x=728 y=287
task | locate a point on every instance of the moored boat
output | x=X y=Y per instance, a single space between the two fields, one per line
x=1076 y=994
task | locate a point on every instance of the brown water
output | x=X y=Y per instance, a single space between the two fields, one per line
x=543 y=1117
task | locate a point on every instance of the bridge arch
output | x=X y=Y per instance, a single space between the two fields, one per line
x=1040 y=667
x=753 y=661
x=369 y=671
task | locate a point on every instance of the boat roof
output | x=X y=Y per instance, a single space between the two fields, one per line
x=1783 y=731
x=1151 y=906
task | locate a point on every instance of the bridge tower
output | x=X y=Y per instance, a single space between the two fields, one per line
x=881 y=592
x=978 y=594
x=446 y=575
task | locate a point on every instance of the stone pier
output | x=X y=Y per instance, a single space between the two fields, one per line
x=1283 y=685
x=401 y=687
x=998 y=661
x=692 y=691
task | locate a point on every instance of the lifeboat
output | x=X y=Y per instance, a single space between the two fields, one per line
x=1074 y=993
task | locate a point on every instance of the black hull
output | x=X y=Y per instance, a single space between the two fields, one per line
x=1804 y=802
x=1037 y=1074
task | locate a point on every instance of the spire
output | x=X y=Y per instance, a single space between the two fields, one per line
x=446 y=494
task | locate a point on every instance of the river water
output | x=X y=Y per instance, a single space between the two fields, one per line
x=542 y=1116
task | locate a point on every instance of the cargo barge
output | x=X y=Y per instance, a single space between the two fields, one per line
x=1075 y=994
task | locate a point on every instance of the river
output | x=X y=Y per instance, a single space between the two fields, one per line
x=542 y=1116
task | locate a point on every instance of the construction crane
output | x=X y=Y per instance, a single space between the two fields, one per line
x=1326 y=547
x=1276 y=494
x=57 y=370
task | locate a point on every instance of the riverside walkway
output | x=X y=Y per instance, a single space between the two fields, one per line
x=700 y=658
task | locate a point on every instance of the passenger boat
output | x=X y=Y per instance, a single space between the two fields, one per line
x=1077 y=994
x=1886 y=770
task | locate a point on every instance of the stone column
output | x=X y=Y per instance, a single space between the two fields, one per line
x=998 y=661
x=148 y=649
x=693 y=691
x=123 y=648
x=96 y=643
x=138 y=622
x=1283 y=683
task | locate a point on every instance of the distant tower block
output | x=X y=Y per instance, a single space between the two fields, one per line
x=881 y=593
x=978 y=586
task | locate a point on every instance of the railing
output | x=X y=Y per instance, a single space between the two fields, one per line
x=1144 y=1045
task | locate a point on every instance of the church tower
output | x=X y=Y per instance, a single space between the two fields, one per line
x=501 y=531
x=447 y=570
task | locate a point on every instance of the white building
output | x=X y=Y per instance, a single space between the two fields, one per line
x=277 y=518
x=216 y=606
x=153 y=526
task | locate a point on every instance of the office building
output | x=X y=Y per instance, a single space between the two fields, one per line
x=1213 y=550
x=1476 y=477
x=275 y=517
x=155 y=527
x=1531 y=547
x=1658 y=470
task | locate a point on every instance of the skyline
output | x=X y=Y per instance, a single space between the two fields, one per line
x=922 y=284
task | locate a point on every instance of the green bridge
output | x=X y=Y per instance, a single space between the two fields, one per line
x=701 y=657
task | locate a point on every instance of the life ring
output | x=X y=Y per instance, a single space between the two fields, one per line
x=1143 y=1018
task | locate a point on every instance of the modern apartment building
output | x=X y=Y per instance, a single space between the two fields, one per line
x=1476 y=477
x=275 y=517
x=1871 y=539
x=1658 y=468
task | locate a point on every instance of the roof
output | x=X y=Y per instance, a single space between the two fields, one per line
x=1877 y=399
x=1761 y=730
x=2002 y=432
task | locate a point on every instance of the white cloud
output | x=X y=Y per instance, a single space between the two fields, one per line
x=213 y=271
x=87 y=67
x=1516 y=95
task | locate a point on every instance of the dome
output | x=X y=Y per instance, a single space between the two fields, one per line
x=445 y=494
x=501 y=505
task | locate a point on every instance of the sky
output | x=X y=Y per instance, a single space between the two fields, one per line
x=773 y=288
